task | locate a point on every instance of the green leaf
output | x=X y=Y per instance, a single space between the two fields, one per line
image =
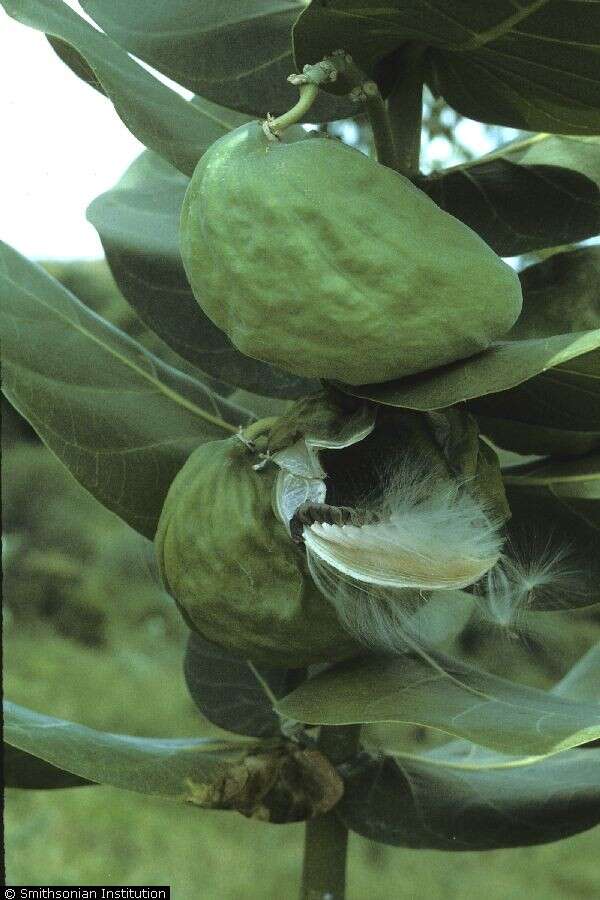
x=234 y=52
x=559 y=324
x=233 y=693
x=451 y=697
x=271 y=781
x=160 y=118
x=573 y=487
x=524 y=438
x=22 y=770
x=532 y=65
x=543 y=191
x=75 y=62
x=121 y=420
x=138 y=223
x=582 y=682
x=578 y=478
x=574 y=484
x=261 y=407
x=462 y=797
x=558 y=411
x=180 y=769
x=505 y=364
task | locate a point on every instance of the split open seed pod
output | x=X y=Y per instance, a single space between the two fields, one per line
x=392 y=511
x=286 y=543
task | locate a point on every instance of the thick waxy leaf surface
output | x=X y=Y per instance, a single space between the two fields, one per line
x=177 y=769
x=138 y=223
x=504 y=365
x=452 y=698
x=539 y=192
x=159 y=117
x=558 y=327
x=121 y=420
x=22 y=770
x=276 y=782
x=582 y=682
x=577 y=478
x=234 y=693
x=463 y=797
x=75 y=62
x=572 y=486
x=531 y=65
x=234 y=52
x=558 y=411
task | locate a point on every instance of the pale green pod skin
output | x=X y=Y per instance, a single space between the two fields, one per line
x=315 y=258
x=232 y=568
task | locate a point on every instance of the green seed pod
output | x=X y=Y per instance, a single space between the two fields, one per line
x=232 y=568
x=315 y=258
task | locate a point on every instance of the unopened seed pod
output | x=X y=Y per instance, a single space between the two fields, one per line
x=315 y=258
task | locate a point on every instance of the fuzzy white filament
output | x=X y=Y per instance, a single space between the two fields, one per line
x=391 y=621
x=424 y=534
x=427 y=536
x=518 y=586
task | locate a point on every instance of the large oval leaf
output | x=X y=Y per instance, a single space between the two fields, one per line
x=233 y=693
x=271 y=781
x=531 y=65
x=582 y=682
x=159 y=117
x=177 y=769
x=575 y=485
x=451 y=697
x=463 y=797
x=22 y=770
x=138 y=223
x=122 y=421
x=543 y=191
x=558 y=411
x=504 y=365
x=238 y=53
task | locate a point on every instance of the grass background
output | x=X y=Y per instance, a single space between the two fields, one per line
x=90 y=636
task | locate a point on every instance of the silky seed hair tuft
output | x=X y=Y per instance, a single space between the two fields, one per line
x=529 y=580
x=421 y=533
x=387 y=622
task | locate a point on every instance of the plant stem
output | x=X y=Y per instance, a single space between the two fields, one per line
x=382 y=133
x=405 y=110
x=325 y=848
x=326 y=837
x=308 y=95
